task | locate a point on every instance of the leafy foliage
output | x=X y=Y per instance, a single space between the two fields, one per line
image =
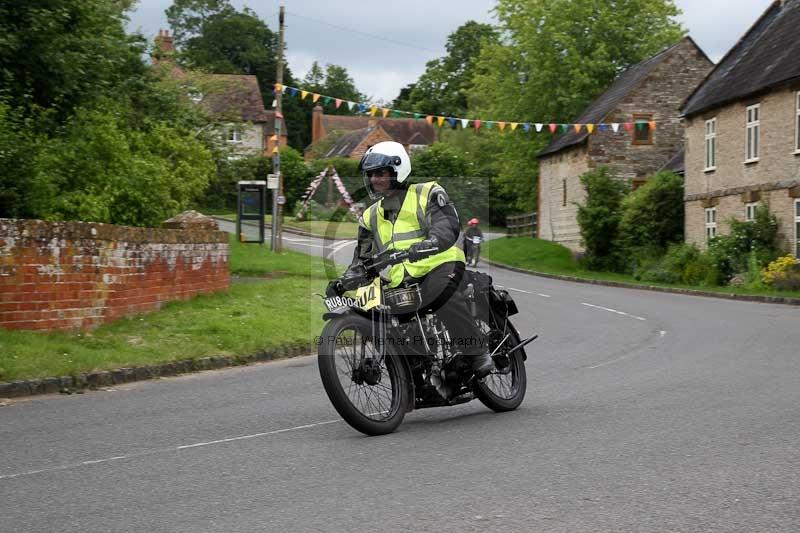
x=599 y=218
x=730 y=252
x=783 y=273
x=652 y=215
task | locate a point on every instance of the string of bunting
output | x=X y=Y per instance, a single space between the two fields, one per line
x=476 y=124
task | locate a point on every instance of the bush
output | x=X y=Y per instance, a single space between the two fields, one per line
x=730 y=253
x=599 y=219
x=652 y=215
x=783 y=274
x=317 y=211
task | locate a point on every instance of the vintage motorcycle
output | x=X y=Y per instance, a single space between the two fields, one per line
x=382 y=355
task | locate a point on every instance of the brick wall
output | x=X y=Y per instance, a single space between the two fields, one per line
x=774 y=180
x=69 y=275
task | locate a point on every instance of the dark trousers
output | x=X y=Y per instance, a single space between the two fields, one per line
x=440 y=293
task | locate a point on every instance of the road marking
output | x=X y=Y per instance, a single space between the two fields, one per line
x=163 y=450
x=526 y=292
x=338 y=246
x=662 y=333
x=613 y=311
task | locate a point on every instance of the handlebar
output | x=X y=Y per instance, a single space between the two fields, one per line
x=375 y=264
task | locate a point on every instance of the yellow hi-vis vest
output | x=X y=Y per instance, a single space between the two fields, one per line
x=410 y=227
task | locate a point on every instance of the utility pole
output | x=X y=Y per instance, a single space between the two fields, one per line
x=280 y=123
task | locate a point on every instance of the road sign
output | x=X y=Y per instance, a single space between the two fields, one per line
x=272 y=181
x=281 y=200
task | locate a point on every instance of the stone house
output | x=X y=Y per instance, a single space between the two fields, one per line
x=353 y=135
x=649 y=93
x=234 y=100
x=743 y=132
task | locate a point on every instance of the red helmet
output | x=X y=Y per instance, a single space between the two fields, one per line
x=473 y=222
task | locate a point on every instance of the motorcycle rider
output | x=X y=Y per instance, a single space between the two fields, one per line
x=419 y=218
x=471 y=232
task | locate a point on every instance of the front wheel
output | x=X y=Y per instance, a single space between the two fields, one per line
x=504 y=389
x=368 y=390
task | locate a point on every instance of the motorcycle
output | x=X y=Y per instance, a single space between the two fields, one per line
x=473 y=250
x=382 y=355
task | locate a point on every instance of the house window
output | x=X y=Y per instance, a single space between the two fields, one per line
x=711 y=144
x=234 y=134
x=711 y=222
x=564 y=192
x=797 y=123
x=797 y=228
x=753 y=130
x=642 y=134
x=750 y=211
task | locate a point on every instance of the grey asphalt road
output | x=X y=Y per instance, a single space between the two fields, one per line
x=645 y=412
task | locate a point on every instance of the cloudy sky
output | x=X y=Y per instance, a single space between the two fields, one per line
x=384 y=44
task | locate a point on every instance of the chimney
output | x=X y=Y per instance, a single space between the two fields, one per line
x=164 y=48
x=317 y=130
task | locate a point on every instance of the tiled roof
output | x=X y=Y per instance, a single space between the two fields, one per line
x=234 y=96
x=765 y=57
x=402 y=130
x=607 y=102
x=676 y=163
x=347 y=143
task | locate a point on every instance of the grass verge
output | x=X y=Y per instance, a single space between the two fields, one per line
x=319 y=228
x=550 y=258
x=275 y=308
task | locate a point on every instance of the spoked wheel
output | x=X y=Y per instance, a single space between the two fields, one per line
x=504 y=389
x=369 y=390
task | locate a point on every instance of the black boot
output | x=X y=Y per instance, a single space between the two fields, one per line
x=482 y=365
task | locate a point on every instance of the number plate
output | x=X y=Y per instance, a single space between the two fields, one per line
x=367 y=297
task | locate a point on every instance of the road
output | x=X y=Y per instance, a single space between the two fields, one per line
x=645 y=412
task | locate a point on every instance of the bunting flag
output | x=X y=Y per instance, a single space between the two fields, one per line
x=552 y=127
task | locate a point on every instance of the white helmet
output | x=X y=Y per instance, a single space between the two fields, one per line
x=387 y=154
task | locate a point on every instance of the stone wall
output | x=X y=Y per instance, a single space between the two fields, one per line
x=557 y=214
x=71 y=275
x=773 y=180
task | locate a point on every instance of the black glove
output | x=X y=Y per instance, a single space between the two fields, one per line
x=354 y=277
x=334 y=289
x=423 y=249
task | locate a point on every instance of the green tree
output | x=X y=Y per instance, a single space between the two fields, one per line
x=333 y=81
x=652 y=216
x=217 y=38
x=553 y=58
x=599 y=218
x=442 y=88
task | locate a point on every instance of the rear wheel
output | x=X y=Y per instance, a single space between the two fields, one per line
x=368 y=390
x=504 y=389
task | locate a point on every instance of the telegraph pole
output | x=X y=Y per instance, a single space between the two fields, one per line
x=280 y=123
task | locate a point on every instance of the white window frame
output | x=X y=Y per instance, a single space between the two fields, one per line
x=234 y=134
x=752 y=137
x=797 y=123
x=797 y=228
x=750 y=211
x=711 y=144
x=711 y=222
